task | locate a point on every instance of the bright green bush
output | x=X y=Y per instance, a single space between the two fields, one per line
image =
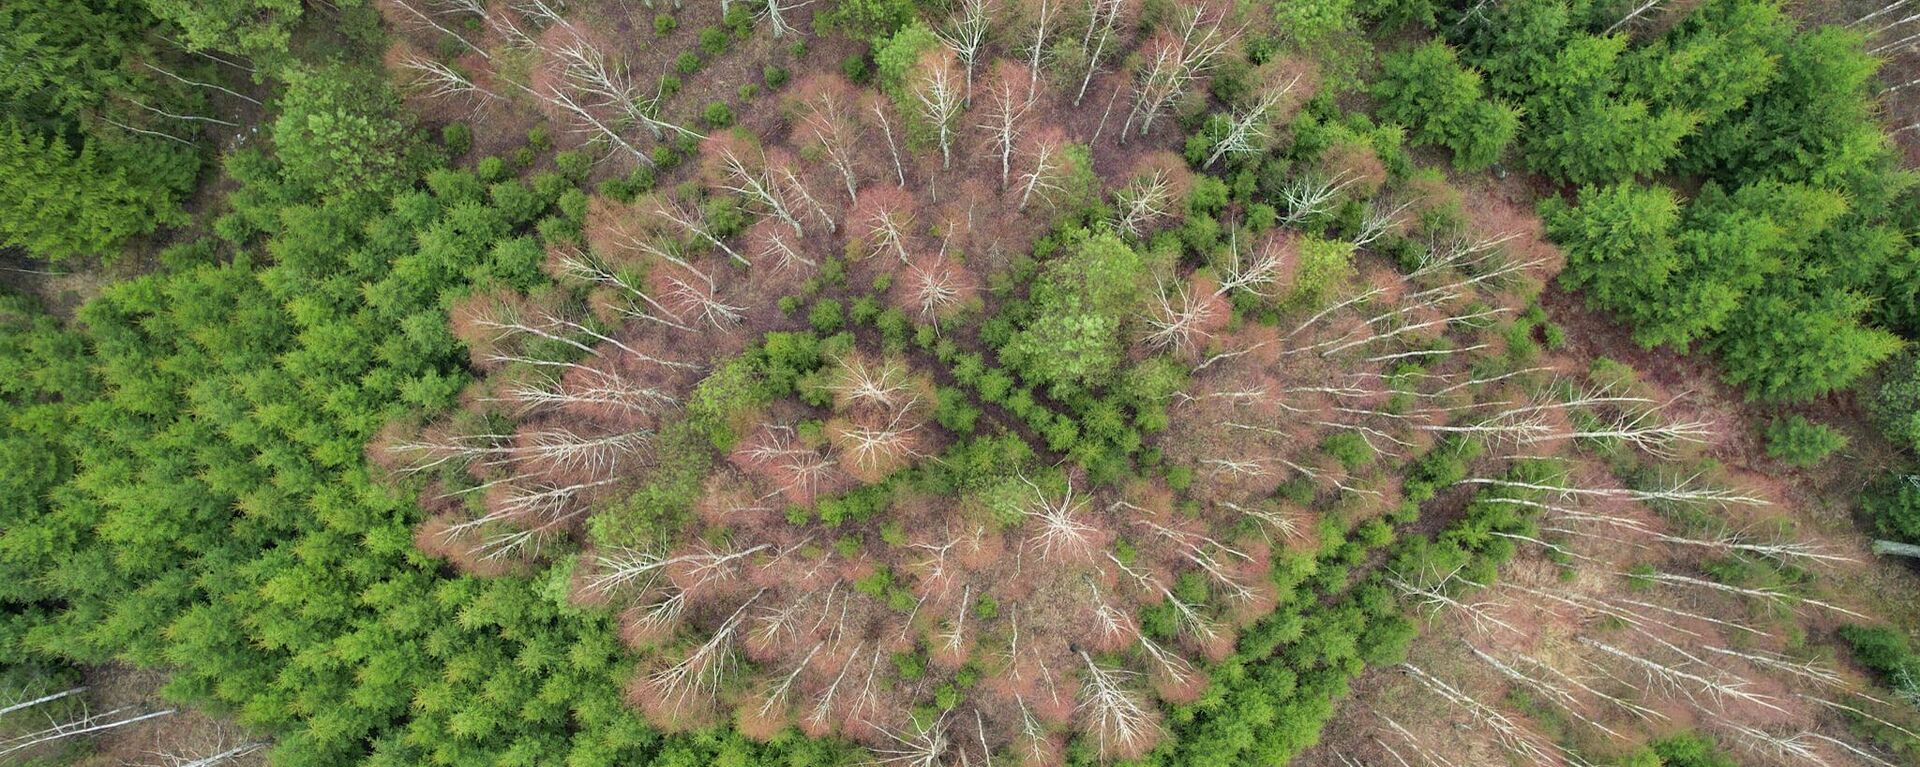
x=1893 y=507
x=1428 y=89
x=1800 y=442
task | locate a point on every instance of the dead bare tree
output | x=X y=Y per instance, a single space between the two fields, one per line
x=86 y=723
x=700 y=674
x=926 y=748
x=434 y=24
x=1121 y=724
x=1248 y=128
x=1103 y=27
x=743 y=169
x=936 y=90
x=966 y=36
x=1185 y=317
x=1062 y=535
x=1036 y=46
x=22 y=703
x=1311 y=195
x=1010 y=95
x=1633 y=14
x=1046 y=166
x=1713 y=683
x=775 y=12
x=1175 y=60
x=1155 y=189
x=1510 y=734
x=827 y=112
x=438 y=80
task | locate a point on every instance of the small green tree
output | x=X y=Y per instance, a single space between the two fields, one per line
x=1896 y=403
x=1619 y=242
x=1427 y=88
x=1079 y=305
x=1795 y=345
x=343 y=130
x=1324 y=266
x=256 y=28
x=1801 y=442
x=1584 y=130
x=1893 y=507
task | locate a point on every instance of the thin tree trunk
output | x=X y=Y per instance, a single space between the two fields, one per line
x=21 y=746
x=40 y=700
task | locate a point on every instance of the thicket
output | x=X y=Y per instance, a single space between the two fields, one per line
x=1892 y=507
x=1686 y=749
x=1801 y=442
x=96 y=143
x=1791 y=264
x=1428 y=88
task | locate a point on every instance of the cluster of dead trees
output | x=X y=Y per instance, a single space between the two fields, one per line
x=984 y=76
x=1076 y=607
x=1023 y=590
x=1645 y=645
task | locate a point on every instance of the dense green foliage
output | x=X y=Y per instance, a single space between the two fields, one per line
x=1801 y=442
x=183 y=479
x=259 y=28
x=189 y=487
x=867 y=20
x=1072 y=340
x=1685 y=749
x=1886 y=653
x=1427 y=87
x=88 y=154
x=340 y=130
x=1893 y=508
x=1787 y=263
x=1896 y=402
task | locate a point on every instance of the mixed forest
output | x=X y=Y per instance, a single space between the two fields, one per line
x=1184 y=383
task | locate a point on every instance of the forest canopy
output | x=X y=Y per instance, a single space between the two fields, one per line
x=926 y=382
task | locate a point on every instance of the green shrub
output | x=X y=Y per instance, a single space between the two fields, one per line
x=1892 y=506
x=457 y=137
x=664 y=24
x=954 y=412
x=713 y=41
x=490 y=169
x=827 y=317
x=855 y=67
x=1428 y=89
x=1896 y=403
x=574 y=164
x=1349 y=448
x=1691 y=750
x=774 y=76
x=688 y=63
x=1800 y=442
x=717 y=115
